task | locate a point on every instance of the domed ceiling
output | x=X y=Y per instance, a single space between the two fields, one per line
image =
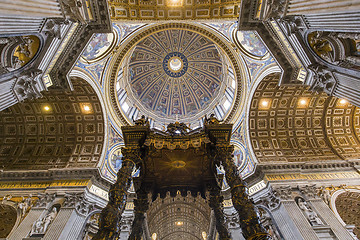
x=175 y=74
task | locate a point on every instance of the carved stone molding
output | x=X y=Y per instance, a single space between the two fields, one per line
x=84 y=207
x=44 y=199
x=309 y=213
x=325 y=194
x=308 y=191
x=26 y=86
x=283 y=192
x=41 y=225
x=293 y=24
x=72 y=10
x=52 y=28
x=323 y=81
x=232 y=220
x=275 y=9
x=71 y=199
x=270 y=200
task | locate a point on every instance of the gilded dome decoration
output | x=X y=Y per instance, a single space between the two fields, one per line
x=175 y=73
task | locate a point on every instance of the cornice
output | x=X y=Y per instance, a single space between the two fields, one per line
x=55 y=174
x=79 y=39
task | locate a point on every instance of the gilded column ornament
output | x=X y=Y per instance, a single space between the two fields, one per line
x=110 y=217
x=249 y=221
x=216 y=205
x=141 y=205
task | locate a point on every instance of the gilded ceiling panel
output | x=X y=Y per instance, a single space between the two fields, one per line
x=61 y=129
x=173 y=9
x=292 y=124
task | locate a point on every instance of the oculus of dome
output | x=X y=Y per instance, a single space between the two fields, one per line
x=175 y=64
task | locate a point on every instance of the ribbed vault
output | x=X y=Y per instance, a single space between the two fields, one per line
x=290 y=123
x=61 y=129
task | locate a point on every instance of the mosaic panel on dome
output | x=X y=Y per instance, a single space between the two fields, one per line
x=175 y=72
x=98 y=46
x=251 y=43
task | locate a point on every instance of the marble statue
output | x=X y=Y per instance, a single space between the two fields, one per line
x=42 y=224
x=309 y=213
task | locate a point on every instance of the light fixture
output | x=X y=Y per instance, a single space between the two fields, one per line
x=153 y=236
x=264 y=103
x=86 y=108
x=179 y=223
x=204 y=235
x=343 y=101
x=47 y=108
x=302 y=102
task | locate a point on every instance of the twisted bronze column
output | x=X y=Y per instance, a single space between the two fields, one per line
x=249 y=222
x=110 y=217
x=215 y=203
x=141 y=205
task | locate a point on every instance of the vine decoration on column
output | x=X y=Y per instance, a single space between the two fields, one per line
x=110 y=217
x=249 y=220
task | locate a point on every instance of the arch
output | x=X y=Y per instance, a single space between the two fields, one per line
x=78 y=73
x=345 y=204
x=61 y=129
x=267 y=221
x=169 y=216
x=292 y=124
x=272 y=69
x=335 y=49
x=90 y=226
x=8 y=219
